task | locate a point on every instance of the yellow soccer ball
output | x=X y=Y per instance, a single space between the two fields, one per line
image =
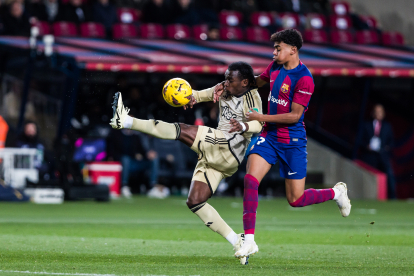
x=177 y=92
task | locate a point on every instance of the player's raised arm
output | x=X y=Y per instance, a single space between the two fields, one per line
x=259 y=81
x=301 y=97
x=205 y=95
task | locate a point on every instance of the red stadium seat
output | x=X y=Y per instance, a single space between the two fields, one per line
x=341 y=37
x=231 y=33
x=91 y=29
x=315 y=36
x=43 y=26
x=289 y=20
x=152 y=31
x=121 y=31
x=200 y=32
x=340 y=8
x=230 y=18
x=341 y=22
x=128 y=15
x=257 y=34
x=392 y=39
x=178 y=31
x=316 y=21
x=85 y=2
x=370 y=20
x=367 y=37
x=262 y=19
x=63 y=28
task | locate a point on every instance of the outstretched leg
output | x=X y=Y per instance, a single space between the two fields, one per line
x=155 y=128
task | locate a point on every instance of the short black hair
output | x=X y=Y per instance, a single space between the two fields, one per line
x=290 y=36
x=245 y=71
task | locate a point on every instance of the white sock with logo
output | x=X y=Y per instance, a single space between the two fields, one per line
x=232 y=238
x=249 y=237
x=127 y=123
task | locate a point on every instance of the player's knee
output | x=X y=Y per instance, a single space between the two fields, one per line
x=194 y=201
x=190 y=202
x=187 y=134
x=195 y=205
x=184 y=127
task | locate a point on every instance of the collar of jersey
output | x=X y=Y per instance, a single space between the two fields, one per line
x=294 y=69
x=241 y=95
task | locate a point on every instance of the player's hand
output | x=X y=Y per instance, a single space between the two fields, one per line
x=253 y=115
x=218 y=91
x=235 y=126
x=191 y=103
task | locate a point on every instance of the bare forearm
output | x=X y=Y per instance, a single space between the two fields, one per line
x=259 y=81
x=286 y=118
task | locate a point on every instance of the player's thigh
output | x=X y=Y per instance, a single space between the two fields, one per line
x=294 y=189
x=208 y=175
x=188 y=134
x=261 y=158
x=293 y=161
x=257 y=166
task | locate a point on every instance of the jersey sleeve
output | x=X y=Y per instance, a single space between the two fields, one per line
x=253 y=101
x=303 y=91
x=266 y=74
x=205 y=95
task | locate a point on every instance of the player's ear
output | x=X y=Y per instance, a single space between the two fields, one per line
x=293 y=50
x=245 y=83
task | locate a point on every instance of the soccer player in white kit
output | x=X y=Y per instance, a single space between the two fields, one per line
x=220 y=151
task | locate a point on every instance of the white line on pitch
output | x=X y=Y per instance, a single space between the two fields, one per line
x=56 y=273
x=71 y=274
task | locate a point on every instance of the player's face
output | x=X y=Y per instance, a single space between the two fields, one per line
x=283 y=52
x=233 y=84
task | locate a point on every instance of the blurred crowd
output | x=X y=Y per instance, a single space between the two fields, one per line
x=16 y=16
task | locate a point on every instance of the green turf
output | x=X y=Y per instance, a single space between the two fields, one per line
x=145 y=236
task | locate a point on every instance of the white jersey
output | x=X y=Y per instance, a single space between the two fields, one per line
x=235 y=107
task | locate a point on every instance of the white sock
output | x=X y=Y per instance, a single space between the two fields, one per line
x=249 y=237
x=337 y=193
x=232 y=238
x=127 y=123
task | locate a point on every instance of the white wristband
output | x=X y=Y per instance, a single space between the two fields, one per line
x=243 y=126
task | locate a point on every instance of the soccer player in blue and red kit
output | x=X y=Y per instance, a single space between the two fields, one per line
x=283 y=137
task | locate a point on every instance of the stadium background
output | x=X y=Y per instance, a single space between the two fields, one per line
x=359 y=52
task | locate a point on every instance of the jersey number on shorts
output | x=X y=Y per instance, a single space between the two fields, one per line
x=261 y=140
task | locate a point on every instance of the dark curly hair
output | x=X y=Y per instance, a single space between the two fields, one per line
x=290 y=36
x=245 y=71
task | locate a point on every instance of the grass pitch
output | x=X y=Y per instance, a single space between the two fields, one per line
x=145 y=236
